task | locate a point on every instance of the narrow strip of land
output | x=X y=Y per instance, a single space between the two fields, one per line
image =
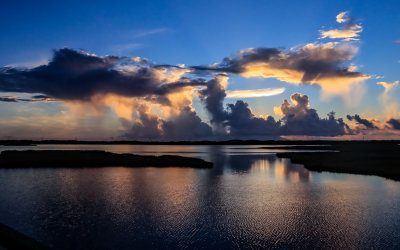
x=380 y=159
x=92 y=158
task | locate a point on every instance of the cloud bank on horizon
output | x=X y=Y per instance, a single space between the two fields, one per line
x=154 y=102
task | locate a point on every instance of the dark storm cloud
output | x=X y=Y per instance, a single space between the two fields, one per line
x=237 y=65
x=184 y=126
x=242 y=122
x=74 y=75
x=298 y=119
x=309 y=64
x=394 y=123
x=146 y=129
x=368 y=124
x=8 y=99
x=213 y=96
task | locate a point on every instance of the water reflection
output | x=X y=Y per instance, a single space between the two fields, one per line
x=269 y=164
x=250 y=199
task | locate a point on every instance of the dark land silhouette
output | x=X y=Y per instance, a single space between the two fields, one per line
x=92 y=158
x=11 y=239
x=225 y=142
x=381 y=158
x=367 y=158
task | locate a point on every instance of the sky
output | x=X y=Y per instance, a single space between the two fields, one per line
x=199 y=70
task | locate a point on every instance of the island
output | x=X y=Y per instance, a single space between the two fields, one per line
x=366 y=158
x=92 y=158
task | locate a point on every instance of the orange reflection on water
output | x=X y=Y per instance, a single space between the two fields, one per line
x=281 y=169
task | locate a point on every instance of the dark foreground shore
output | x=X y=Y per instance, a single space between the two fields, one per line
x=11 y=239
x=367 y=158
x=83 y=158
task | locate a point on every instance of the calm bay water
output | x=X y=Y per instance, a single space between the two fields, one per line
x=250 y=199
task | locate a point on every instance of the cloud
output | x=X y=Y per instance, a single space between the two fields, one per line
x=36 y=98
x=125 y=48
x=321 y=64
x=74 y=75
x=184 y=126
x=252 y=93
x=388 y=86
x=154 y=102
x=389 y=103
x=367 y=123
x=145 y=33
x=147 y=128
x=243 y=123
x=8 y=99
x=343 y=17
x=239 y=121
x=394 y=123
x=300 y=119
x=213 y=96
x=349 y=32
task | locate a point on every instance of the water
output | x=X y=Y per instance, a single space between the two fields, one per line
x=250 y=199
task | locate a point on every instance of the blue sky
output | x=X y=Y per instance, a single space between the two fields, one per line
x=203 y=33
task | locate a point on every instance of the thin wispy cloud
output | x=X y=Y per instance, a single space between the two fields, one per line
x=145 y=33
x=389 y=103
x=349 y=32
x=252 y=93
x=126 y=48
x=33 y=99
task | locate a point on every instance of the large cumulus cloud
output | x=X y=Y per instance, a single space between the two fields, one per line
x=186 y=125
x=239 y=121
x=320 y=64
x=75 y=75
x=154 y=102
x=313 y=63
x=300 y=119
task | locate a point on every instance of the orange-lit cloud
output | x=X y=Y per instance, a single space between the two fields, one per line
x=312 y=64
x=389 y=103
x=349 y=32
x=343 y=17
